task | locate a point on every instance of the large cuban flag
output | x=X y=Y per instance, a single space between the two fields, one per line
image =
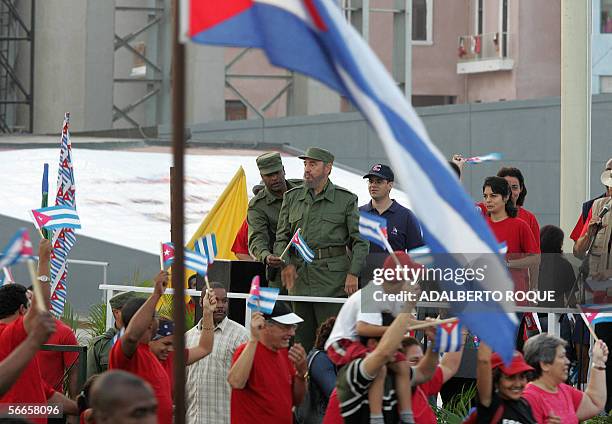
x=312 y=37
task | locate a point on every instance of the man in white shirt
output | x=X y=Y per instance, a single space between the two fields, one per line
x=207 y=390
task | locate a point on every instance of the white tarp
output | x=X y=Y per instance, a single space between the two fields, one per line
x=123 y=197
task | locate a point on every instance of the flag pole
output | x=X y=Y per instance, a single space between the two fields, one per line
x=588 y=325
x=288 y=245
x=389 y=248
x=431 y=324
x=161 y=255
x=45 y=195
x=40 y=300
x=177 y=214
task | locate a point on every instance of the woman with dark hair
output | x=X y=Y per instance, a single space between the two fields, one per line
x=322 y=373
x=556 y=273
x=518 y=193
x=500 y=389
x=522 y=253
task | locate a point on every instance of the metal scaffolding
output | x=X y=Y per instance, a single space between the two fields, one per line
x=16 y=31
x=155 y=70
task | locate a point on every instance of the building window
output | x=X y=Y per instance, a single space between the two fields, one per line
x=424 y=101
x=422 y=20
x=606 y=16
x=235 y=110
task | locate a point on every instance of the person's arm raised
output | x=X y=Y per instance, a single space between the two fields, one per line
x=141 y=320
x=205 y=344
x=240 y=371
x=484 y=375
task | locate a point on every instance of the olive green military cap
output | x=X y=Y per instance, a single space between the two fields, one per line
x=119 y=301
x=269 y=163
x=317 y=153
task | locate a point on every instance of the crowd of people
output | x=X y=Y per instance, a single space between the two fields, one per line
x=355 y=362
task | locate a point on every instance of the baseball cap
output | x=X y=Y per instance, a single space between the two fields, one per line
x=609 y=164
x=283 y=314
x=119 y=301
x=606 y=178
x=381 y=171
x=166 y=328
x=517 y=366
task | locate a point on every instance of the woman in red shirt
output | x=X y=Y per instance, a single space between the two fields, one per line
x=502 y=218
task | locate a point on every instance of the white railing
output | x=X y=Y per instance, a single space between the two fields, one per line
x=554 y=314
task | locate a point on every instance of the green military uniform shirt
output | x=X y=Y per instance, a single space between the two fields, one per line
x=262 y=218
x=329 y=223
x=97 y=354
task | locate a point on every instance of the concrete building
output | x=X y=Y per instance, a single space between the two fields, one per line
x=601 y=49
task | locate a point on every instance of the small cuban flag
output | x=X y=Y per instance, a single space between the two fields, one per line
x=167 y=254
x=17 y=250
x=374 y=228
x=596 y=314
x=300 y=245
x=56 y=217
x=448 y=337
x=491 y=157
x=207 y=246
x=196 y=262
x=262 y=299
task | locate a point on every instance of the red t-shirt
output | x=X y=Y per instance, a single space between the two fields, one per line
x=267 y=396
x=423 y=414
x=146 y=366
x=519 y=239
x=168 y=365
x=526 y=216
x=53 y=364
x=564 y=403
x=332 y=413
x=29 y=388
x=241 y=242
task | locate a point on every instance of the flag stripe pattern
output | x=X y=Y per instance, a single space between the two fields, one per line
x=167 y=254
x=448 y=337
x=373 y=228
x=491 y=157
x=64 y=238
x=196 y=262
x=265 y=299
x=324 y=46
x=302 y=248
x=18 y=249
x=56 y=217
x=596 y=314
x=207 y=246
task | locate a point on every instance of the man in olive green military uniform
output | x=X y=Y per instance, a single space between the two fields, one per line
x=262 y=215
x=328 y=219
x=99 y=348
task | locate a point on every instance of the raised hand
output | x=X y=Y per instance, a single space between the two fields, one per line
x=257 y=324
x=297 y=355
x=209 y=302
x=160 y=282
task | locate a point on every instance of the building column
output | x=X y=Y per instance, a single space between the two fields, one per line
x=575 y=112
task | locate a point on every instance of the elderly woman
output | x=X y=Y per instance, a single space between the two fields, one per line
x=550 y=398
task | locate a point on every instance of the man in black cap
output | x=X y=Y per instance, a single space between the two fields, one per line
x=97 y=354
x=268 y=377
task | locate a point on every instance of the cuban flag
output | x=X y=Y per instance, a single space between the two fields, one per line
x=56 y=217
x=448 y=337
x=18 y=249
x=596 y=314
x=312 y=37
x=302 y=248
x=207 y=246
x=491 y=157
x=167 y=254
x=6 y=277
x=374 y=228
x=196 y=262
x=262 y=298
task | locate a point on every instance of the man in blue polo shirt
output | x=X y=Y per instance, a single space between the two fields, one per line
x=403 y=229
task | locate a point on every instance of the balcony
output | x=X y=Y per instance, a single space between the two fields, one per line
x=484 y=53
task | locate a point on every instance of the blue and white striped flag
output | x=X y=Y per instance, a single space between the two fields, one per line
x=266 y=300
x=207 y=246
x=323 y=45
x=196 y=262
x=374 y=228
x=302 y=248
x=448 y=337
x=56 y=217
x=18 y=249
